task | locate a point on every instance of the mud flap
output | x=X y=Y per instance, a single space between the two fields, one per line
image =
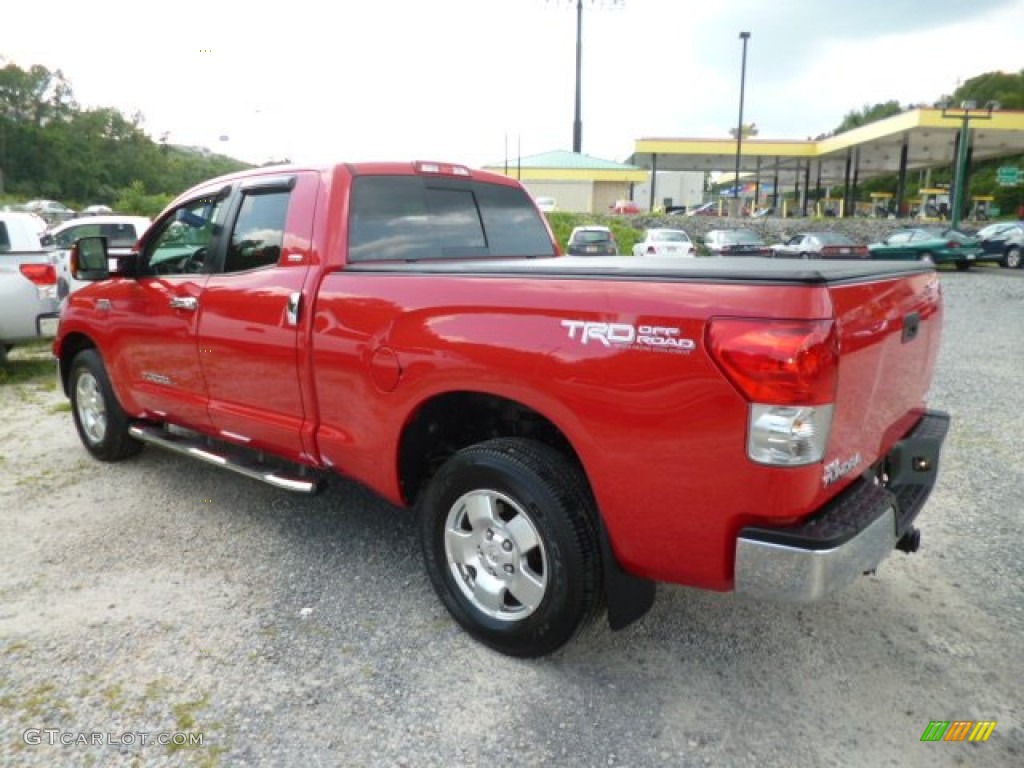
x=629 y=597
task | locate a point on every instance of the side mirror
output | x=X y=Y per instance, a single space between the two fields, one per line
x=89 y=259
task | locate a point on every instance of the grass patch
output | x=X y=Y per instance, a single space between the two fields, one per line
x=64 y=407
x=31 y=363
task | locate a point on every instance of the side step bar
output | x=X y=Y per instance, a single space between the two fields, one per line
x=199 y=447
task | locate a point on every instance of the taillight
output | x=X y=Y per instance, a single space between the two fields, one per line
x=651 y=249
x=788 y=371
x=40 y=274
x=780 y=362
x=952 y=244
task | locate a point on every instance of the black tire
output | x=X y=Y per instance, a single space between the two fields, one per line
x=101 y=422
x=525 y=575
x=4 y=349
x=1012 y=260
x=963 y=266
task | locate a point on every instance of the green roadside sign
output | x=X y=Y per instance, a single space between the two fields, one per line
x=1008 y=175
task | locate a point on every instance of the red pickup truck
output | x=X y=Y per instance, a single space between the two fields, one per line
x=569 y=430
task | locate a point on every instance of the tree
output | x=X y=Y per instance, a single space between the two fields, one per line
x=869 y=114
x=50 y=147
x=1007 y=89
x=749 y=129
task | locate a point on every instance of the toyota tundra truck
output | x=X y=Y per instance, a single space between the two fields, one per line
x=28 y=283
x=569 y=431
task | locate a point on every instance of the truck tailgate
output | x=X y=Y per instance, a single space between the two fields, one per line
x=889 y=340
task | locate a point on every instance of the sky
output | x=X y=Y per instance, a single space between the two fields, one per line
x=474 y=81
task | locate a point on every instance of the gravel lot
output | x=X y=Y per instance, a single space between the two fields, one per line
x=161 y=595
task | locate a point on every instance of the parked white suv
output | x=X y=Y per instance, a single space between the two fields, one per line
x=122 y=232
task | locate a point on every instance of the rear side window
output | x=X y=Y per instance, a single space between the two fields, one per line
x=592 y=236
x=5 y=239
x=409 y=218
x=259 y=231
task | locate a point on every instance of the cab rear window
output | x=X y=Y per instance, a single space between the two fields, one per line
x=411 y=218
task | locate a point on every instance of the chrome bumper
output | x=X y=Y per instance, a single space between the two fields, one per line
x=853 y=533
x=774 y=571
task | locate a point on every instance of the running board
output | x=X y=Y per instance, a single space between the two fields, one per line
x=200 y=448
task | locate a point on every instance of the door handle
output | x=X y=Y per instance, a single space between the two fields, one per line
x=294 y=304
x=185 y=302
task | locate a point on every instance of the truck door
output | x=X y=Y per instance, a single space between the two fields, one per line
x=156 y=315
x=252 y=311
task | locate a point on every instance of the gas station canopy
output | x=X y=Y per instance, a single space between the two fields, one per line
x=927 y=136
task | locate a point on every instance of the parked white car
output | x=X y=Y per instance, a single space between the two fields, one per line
x=28 y=283
x=665 y=242
x=122 y=232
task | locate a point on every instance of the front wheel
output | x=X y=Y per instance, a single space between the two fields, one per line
x=1013 y=259
x=101 y=422
x=509 y=538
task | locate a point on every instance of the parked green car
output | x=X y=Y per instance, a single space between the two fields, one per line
x=940 y=245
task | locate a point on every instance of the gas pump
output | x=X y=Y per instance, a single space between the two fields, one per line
x=881 y=205
x=934 y=204
x=982 y=208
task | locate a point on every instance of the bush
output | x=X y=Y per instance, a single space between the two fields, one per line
x=134 y=200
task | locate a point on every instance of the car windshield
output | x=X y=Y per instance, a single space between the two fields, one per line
x=740 y=237
x=669 y=236
x=592 y=236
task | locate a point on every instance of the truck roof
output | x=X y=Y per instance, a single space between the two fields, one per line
x=19 y=232
x=367 y=168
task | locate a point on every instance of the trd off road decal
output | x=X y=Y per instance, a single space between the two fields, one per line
x=651 y=337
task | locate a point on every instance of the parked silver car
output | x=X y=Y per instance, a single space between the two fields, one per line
x=52 y=211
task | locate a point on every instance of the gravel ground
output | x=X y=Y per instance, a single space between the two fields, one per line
x=163 y=596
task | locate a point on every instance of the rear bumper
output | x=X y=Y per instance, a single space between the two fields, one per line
x=852 y=534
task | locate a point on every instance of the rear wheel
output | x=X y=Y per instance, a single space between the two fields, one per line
x=1013 y=259
x=509 y=537
x=963 y=266
x=101 y=422
x=926 y=257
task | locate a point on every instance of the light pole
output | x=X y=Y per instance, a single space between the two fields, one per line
x=577 y=123
x=744 y=36
x=967 y=111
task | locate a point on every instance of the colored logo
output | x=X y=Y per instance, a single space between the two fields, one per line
x=958 y=730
